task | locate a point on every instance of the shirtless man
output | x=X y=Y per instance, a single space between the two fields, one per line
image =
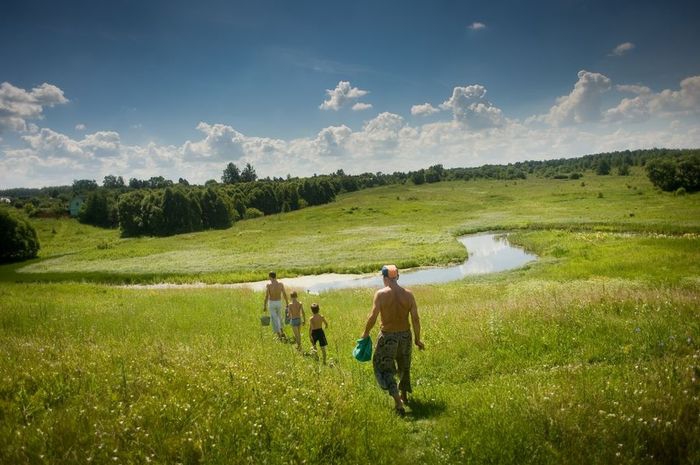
x=393 y=304
x=274 y=291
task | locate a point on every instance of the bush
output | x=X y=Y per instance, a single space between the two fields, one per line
x=18 y=239
x=671 y=174
x=251 y=213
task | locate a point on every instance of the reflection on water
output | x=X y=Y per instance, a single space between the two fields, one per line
x=488 y=253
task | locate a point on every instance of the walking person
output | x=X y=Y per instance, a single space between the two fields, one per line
x=274 y=291
x=392 y=354
x=297 y=317
x=316 y=325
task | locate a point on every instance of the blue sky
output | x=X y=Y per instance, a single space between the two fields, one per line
x=179 y=89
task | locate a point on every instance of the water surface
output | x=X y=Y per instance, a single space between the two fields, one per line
x=488 y=253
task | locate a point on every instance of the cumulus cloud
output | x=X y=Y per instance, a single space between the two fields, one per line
x=470 y=107
x=18 y=105
x=477 y=26
x=386 y=142
x=80 y=127
x=424 y=109
x=583 y=103
x=668 y=103
x=633 y=89
x=622 y=49
x=359 y=106
x=341 y=95
x=221 y=142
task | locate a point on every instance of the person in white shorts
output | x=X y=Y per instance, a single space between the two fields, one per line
x=274 y=291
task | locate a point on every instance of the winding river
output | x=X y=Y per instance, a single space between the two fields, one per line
x=488 y=253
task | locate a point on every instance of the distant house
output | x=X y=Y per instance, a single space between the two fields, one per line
x=74 y=206
x=5 y=200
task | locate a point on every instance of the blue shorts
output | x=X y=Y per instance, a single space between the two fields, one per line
x=295 y=322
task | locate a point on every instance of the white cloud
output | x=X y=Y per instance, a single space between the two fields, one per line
x=359 y=106
x=633 y=89
x=477 y=26
x=583 y=103
x=424 y=109
x=80 y=127
x=341 y=95
x=470 y=107
x=386 y=142
x=622 y=49
x=17 y=105
x=665 y=104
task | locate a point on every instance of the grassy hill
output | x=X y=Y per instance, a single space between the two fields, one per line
x=588 y=356
x=406 y=224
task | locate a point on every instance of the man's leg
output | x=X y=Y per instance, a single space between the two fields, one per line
x=403 y=362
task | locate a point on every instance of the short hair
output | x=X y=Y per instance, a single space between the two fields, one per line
x=272 y=274
x=293 y=294
x=390 y=271
x=314 y=307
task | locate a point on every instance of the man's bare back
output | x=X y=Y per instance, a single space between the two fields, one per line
x=275 y=290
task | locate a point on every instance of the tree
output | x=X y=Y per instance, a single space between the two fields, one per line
x=130 y=214
x=84 y=185
x=232 y=174
x=113 y=182
x=18 y=239
x=217 y=211
x=98 y=210
x=662 y=173
x=623 y=169
x=248 y=173
x=418 y=177
x=603 y=167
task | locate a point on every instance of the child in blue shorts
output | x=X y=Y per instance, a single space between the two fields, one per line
x=295 y=311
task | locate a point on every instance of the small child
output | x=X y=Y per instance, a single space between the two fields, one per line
x=316 y=325
x=297 y=317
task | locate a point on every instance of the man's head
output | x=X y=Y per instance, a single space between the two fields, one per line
x=272 y=275
x=314 y=308
x=390 y=272
x=293 y=295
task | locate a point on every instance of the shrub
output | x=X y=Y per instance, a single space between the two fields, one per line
x=251 y=213
x=18 y=239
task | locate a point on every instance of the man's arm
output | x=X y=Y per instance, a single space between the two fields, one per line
x=415 y=319
x=372 y=318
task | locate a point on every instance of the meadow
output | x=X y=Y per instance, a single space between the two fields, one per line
x=589 y=355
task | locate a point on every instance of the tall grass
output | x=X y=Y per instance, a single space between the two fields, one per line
x=588 y=356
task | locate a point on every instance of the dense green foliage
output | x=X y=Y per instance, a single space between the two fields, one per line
x=99 y=209
x=671 y=174
x=18 y=238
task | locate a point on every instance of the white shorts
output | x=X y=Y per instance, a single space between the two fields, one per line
x=276 y=318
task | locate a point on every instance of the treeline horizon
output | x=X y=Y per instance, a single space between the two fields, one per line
x=546 y=168
x=161 y=207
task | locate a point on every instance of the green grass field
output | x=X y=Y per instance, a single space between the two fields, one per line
x=588 y=356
